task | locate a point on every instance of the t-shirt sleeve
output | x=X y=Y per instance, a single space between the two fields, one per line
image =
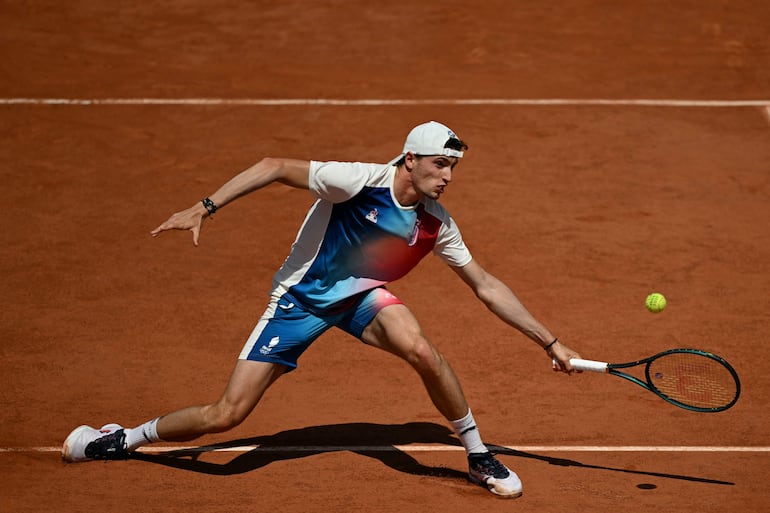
x=337 y=181
x=450 y=245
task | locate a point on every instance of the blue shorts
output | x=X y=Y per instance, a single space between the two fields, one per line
x=287 y=328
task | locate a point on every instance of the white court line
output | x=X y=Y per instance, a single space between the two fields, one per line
x=385 y=102
x=423 y=448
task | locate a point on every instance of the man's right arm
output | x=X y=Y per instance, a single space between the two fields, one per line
x=287 y=171
x=290 y=172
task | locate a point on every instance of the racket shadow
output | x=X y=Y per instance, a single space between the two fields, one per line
x=563 y=462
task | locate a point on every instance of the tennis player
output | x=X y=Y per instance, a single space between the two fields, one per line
x=370 y=225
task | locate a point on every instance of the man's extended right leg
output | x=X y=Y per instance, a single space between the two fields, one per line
x=247 y=384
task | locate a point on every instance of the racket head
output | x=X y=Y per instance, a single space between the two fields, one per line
x=693 y=379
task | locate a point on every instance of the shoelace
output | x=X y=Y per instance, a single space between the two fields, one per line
x=107 y=445
x=490 y=466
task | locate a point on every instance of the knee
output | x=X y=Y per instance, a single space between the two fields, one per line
x=425 y=358
x=223 y=417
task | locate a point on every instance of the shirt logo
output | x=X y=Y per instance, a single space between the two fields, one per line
x=372 y=216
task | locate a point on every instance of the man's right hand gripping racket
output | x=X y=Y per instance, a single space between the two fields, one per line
x=688 y=378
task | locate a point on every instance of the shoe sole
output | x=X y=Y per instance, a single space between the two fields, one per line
x=66 y=450
x=501 y=492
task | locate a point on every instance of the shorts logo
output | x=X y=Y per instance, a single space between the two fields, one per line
x=269 y=347
x=372 y=216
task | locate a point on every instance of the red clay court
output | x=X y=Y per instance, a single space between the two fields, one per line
x=616 y=149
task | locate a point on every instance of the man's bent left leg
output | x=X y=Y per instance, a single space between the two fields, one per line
x=396 y=330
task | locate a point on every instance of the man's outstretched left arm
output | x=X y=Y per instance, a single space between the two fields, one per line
x=501 y=300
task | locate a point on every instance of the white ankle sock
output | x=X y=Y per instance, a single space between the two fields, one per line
x=145 y=434
x=469 y=434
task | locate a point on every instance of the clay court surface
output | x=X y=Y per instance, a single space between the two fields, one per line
x=582 y=207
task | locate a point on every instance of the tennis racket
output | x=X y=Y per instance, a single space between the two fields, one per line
x=688 y=378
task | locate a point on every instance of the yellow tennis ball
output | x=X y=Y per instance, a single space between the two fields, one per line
x=655 y=302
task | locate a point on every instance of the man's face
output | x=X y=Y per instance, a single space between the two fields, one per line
x=431 y=174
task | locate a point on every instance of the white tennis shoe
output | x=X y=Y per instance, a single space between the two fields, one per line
x=86 y=443
x=485 y=470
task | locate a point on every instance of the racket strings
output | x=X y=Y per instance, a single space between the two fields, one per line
x=693 y=379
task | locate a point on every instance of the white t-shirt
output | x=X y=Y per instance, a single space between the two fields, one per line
x=357 y=236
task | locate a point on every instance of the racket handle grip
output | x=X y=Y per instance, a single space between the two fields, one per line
x=588 y=365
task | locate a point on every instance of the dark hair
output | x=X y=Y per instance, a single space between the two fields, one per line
x=456 y=144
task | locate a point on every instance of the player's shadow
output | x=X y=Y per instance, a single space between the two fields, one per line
x=377 y=441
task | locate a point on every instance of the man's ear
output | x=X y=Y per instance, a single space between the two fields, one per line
x=409 y=161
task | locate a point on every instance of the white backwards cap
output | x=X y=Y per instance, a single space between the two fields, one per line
x=429 y=139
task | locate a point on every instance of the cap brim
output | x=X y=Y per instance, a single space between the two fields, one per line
x=396 y=159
